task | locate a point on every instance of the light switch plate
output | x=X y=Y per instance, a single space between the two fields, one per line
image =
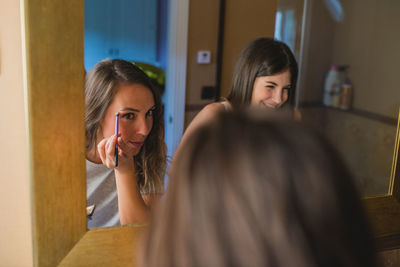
x=204 y=57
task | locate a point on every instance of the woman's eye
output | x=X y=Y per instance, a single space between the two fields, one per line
x=150 y=113
x=270 y=87
x=129 y=116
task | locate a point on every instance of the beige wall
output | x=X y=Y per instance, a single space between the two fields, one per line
x=319 y=53
x=367 y=39
x=15 y=216
x=243 y=22
x=202 y=35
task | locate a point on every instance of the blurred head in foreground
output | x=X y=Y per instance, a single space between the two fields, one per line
x=249 y=189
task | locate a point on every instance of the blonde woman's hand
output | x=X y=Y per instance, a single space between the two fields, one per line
x=106 y=150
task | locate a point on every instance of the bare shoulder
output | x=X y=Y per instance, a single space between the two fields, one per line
x=212 y=109
x=151 y=200
x=207 y=114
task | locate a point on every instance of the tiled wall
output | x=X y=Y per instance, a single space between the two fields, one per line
x=390 y=258
x=365 y=144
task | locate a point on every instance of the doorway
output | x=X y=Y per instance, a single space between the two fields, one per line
x=147 y=31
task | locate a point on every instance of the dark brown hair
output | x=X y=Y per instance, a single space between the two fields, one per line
x=246 y=191
x=261 y=57
x=101 y=85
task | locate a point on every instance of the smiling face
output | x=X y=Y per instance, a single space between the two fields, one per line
x=271 y=91
x=135 y=104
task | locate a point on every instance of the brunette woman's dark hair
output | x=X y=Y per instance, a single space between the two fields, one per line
x=261 y=57
x=246 y=191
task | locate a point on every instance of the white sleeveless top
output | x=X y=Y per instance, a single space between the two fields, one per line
x=225 y=104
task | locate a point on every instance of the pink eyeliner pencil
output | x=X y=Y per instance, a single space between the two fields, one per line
x=116 y=133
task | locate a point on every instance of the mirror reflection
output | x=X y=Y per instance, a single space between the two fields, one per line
x=346 y=82
x=125 y=147
x=347 y=85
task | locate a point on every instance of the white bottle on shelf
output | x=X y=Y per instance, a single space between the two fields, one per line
x=332 y=83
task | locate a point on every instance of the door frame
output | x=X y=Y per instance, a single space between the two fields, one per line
x=174 y=113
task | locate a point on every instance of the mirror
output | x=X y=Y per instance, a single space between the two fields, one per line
x=135 y=31
x=348 y=44
x=347 y=88
x=55 y=78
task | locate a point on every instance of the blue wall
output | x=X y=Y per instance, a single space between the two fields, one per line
x=128 y=29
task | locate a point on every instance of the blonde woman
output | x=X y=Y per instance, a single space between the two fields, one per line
x=123 y=194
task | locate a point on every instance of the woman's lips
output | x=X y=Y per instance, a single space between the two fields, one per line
x=268 y=105
x=136 y=144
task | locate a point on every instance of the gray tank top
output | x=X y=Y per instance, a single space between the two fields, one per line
x=101 y=191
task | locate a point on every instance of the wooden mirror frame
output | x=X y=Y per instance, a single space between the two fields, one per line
x=54 y=72
x=53 y=38
x=384 y=210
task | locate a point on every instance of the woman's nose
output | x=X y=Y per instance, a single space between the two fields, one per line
x=144 y=126
x=277 y=96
